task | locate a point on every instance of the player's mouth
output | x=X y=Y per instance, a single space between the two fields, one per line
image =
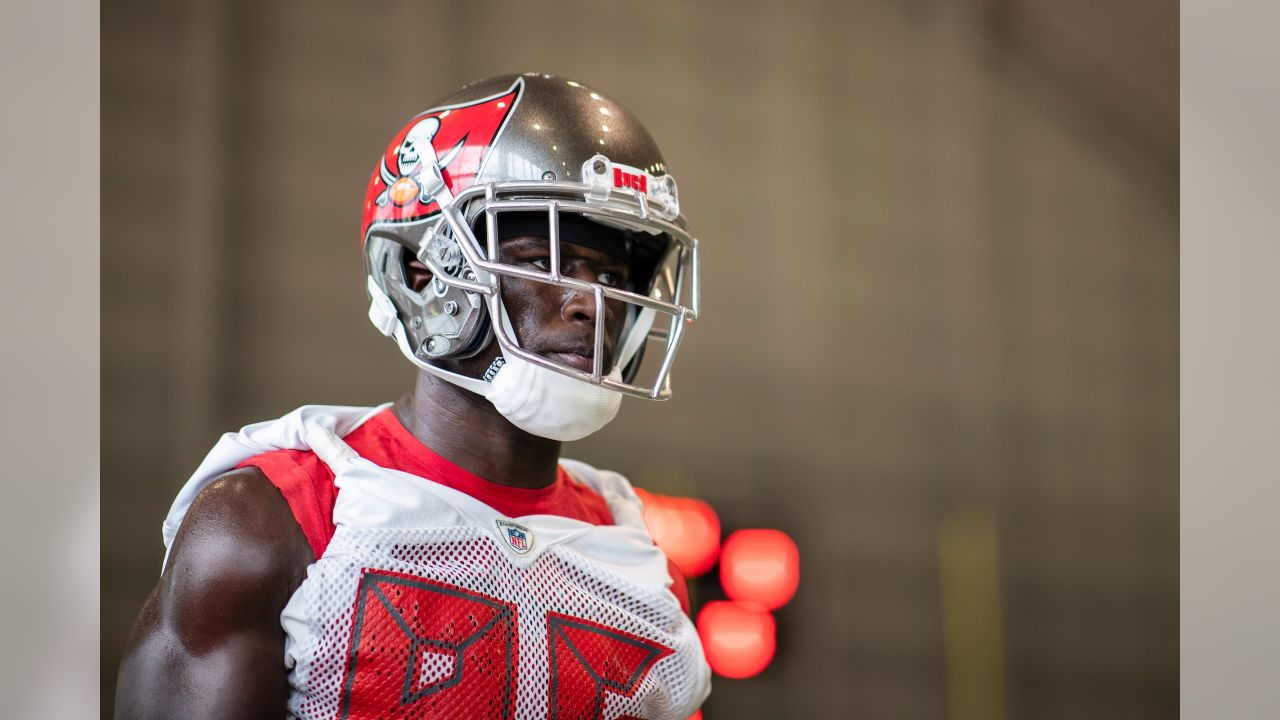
x=577 y=354
x=574 y=360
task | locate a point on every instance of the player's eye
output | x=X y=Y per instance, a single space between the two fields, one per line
x=542 y=263
x=608 y=278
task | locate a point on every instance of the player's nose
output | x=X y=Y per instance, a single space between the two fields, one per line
x=579 y=307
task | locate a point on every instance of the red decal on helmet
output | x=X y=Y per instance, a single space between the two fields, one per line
x=458 y=137
x=635 y=181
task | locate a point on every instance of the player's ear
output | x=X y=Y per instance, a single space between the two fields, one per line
x=416 y=275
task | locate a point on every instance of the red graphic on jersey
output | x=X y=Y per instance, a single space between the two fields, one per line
x=423 y=649
x=588 y=660
x=457 y=137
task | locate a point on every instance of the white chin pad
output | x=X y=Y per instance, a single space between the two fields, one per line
x=548 y=404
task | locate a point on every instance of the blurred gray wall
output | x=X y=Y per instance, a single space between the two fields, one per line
x=939 y=340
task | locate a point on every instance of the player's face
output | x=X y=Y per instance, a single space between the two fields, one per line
x=559 y=323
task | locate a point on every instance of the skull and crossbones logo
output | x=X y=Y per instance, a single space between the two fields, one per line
x=404 y=187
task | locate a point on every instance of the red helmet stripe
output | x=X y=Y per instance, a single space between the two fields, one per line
x=460 y=135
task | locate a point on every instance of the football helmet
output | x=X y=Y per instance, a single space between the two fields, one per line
x=493 y=160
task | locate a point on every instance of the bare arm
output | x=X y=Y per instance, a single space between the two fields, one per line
x=208 y=642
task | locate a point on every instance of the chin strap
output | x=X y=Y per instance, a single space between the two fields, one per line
x=635 y=337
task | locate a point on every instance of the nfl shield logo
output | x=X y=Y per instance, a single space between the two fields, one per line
x=518 y=537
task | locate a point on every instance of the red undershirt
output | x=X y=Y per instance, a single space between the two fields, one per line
x=307 y=483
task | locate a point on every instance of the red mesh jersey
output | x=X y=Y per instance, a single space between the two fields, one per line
x=429 y=600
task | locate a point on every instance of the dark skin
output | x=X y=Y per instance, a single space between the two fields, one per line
x=208 y=643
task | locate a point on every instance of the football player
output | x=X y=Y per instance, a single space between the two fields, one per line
x=435 y=557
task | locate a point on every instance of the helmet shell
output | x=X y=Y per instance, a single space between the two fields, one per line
x=531 y=143
x=531 y=127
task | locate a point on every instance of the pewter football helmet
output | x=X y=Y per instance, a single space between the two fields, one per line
x=513 y=146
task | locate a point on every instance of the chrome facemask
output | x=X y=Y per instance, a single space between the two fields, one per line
x=611 y=194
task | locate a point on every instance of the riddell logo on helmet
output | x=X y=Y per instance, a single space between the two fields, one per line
x=624 y=179
x=456 y=137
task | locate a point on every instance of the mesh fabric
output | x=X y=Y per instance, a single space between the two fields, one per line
x=436 y=623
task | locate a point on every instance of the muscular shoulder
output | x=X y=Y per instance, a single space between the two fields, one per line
x=239 y=553
x=213 y=620
x=307 y=486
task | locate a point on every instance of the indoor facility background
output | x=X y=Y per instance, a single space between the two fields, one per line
x=940 y=326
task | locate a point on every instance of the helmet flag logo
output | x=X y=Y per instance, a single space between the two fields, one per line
x=457 y=138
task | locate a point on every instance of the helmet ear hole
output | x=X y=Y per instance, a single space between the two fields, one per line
x=417 y=276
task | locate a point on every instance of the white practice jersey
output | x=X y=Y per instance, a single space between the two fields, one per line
x=428 y=603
